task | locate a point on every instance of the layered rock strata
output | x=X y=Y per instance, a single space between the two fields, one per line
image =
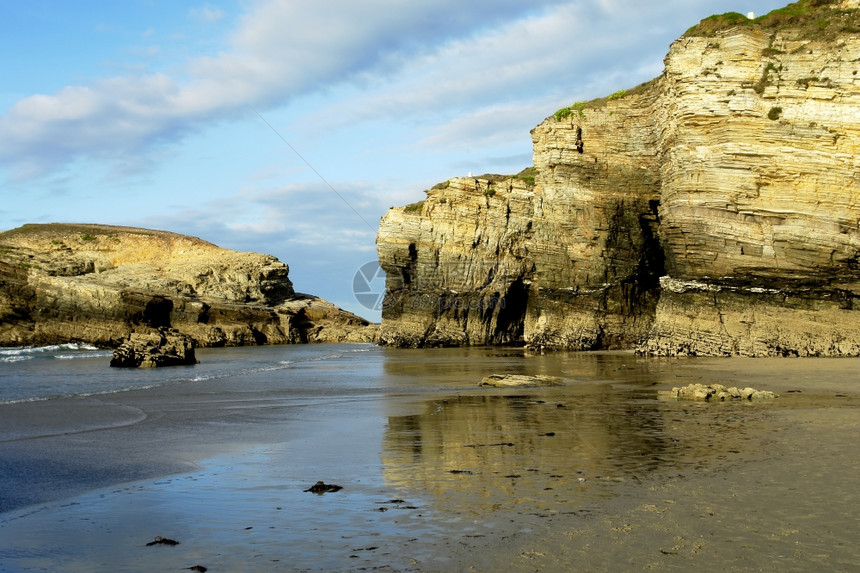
x=714 y=210
x=717 y=393
x=457 y=265
x=164 y=347
x=99 y=283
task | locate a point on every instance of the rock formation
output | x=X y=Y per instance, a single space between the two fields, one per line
x=98 y=284
x=518 y=381
x=164 y=347
x=717 y=393
x=712 y=211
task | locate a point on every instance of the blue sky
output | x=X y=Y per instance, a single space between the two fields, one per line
x=155 y=113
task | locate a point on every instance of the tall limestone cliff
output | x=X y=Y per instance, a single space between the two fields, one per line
x=714 y=210
x=99 y=283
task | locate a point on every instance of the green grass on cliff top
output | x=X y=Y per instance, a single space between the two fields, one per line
x=52 y=229
x=579 y=107
x=35 y=232
x=810 y=19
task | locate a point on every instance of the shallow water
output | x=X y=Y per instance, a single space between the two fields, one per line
x=438 y=474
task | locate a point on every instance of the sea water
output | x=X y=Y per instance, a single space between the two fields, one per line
x=40 y=373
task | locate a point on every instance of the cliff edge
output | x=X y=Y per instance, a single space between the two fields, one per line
x=99 y=283
x=712 y=211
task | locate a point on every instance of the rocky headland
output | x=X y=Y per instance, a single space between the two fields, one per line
x=99 y=284
x=714 y=210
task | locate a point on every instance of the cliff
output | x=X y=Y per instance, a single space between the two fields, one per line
x=711 y=211
x=99 y=283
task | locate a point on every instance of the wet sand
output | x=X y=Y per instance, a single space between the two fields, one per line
x=599 y=474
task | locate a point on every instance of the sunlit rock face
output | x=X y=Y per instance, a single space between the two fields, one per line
x=759 y=201
x=458 y=265
x=99 y=283
x=597 y=258
x=712 y=211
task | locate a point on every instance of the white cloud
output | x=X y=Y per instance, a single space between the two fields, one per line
x=206 y=13
x=279 y=50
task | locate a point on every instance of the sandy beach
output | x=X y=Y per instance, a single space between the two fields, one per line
x=599 y=474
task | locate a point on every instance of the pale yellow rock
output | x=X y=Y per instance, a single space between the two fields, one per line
x=460 y=254
x=712 y=211
x=519 y=380
x=717 y=393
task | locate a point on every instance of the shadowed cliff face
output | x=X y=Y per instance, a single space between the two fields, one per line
x=714 y=210
x=98 y=283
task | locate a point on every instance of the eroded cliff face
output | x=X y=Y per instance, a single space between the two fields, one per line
x=596 y=252
x=760 y=193
x=458 y=266
x=733 y=176
x=571 y=261
x=98 y=284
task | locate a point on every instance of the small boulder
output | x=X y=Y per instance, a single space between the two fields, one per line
x=164 y=347
x=718 y=393
x=159 y=540
x=321 y=487
x=519 y=380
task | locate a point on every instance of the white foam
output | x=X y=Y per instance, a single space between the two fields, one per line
x=29 y=350
x=83 y=355
x=15 y=358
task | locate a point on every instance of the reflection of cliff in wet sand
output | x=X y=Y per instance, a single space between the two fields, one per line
x=521 y=449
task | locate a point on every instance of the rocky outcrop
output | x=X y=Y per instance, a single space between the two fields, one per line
x=98 y=284
x=718 y=393
x=518 y=381
x=164 y=347
x=457 y=265
x=714 y=210
x=760 y=189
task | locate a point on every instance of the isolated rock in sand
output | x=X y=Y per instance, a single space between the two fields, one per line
x=159 y=540
x=517 y=380
x=718 y=393
x=163 y=347
x=321 y=487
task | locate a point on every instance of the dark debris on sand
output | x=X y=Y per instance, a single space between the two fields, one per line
x=321 y=487
x=159 y=540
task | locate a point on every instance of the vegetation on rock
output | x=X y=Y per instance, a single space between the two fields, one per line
x=579 y=107
x=811 y=20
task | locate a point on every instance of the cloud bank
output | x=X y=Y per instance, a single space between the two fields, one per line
x=279 y=50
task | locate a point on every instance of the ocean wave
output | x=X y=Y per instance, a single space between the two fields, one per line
x=93 y=394
x=103 y=353
x=34 y=350
x=15 y=358
x=22 y=400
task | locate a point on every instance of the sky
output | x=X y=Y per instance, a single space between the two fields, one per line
x=289 y=127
